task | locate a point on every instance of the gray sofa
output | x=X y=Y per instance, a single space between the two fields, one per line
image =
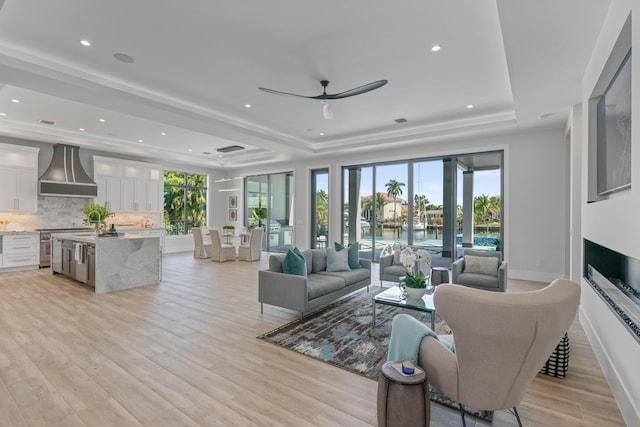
x=306 y=294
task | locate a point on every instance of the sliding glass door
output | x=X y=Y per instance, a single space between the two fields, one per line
x=269 y=202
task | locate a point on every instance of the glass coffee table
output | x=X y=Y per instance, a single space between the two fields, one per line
x=393 y=297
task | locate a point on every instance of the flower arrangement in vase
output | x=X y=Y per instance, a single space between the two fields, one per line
x=415 y=281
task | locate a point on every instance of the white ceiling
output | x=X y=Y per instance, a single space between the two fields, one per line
x=197 y=63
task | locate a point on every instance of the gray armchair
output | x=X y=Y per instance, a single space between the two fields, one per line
x=392 y=272
x=480 y=269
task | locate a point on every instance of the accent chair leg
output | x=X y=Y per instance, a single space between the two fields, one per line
x=261 y=308
x=464 y=422
x=515 y=412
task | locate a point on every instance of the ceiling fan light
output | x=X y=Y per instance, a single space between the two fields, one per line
x=327 y=112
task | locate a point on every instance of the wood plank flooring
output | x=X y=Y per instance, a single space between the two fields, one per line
x=185 y=353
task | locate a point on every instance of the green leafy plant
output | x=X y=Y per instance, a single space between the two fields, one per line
x=94 y=212
x=415 y=281
x=228 y=227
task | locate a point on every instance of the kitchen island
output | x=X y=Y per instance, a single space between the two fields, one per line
x=109 y=264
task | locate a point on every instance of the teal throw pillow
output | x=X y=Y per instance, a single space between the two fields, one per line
x=353 y=254
x=337 y=260
x=294 y=263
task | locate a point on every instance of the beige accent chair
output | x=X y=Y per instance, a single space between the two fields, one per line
x=200 y=248
x=253 y=249
x=221 y=252
x=501 y=341
x=481 y=270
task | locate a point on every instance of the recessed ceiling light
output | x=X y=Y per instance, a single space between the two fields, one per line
x=85 y=43
x=163 y=133
x=123 y=57
x=435 y=48
x=247 y=105
x=470 y=106
x=321 y=133
x=189 y=150
x=3 y=114
x=81 y=129
x=15 y=101
x=101 y=120
x=140 y=140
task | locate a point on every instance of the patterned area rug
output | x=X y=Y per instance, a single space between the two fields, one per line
x=341 y=334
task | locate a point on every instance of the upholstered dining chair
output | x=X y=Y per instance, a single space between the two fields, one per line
x=202 y=247
x=501 y=341
x=221 y=252
x=480 y=269
x=252 y=250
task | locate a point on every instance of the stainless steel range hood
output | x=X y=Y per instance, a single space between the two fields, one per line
x=65 y=176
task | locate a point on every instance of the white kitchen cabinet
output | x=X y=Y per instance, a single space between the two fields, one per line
x=109 y=192
x=19 y=178
x=128 y=186
x=20 y=250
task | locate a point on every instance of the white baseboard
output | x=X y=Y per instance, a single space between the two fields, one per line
x=625 y=403
x=536 y=276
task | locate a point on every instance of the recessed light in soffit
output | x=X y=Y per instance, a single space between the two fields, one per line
x=400 y=120
x=123 y=57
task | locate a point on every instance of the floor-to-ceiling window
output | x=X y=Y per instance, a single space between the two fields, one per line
x=269 y=202
x=320 y=208
x=432 y=203
x=185 y=202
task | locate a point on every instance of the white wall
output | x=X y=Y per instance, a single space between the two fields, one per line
x=614 y=223
x=536 y=192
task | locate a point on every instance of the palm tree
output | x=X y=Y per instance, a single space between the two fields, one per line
x=482 y=209
x=380 y=203
x=394 y=189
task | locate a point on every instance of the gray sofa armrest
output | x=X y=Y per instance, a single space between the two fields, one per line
x=502 y=276
x=457 y=267
x=365 y=263
x=283 y=290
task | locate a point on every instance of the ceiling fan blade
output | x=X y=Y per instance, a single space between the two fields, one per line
x=277 y=92
x=357 y=91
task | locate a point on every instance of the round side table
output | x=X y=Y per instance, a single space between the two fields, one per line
x=403 y=400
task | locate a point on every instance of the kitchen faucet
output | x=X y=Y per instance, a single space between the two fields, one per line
x=98 y=223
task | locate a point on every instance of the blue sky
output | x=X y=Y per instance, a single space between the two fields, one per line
x=428 y=181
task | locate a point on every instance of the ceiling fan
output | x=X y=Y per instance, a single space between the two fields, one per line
x=325 y=97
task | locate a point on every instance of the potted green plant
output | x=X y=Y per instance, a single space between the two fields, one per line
x=96 y=214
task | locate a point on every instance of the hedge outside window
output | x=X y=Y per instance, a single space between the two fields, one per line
x=185 y=202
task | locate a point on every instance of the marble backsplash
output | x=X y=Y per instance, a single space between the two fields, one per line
x=63 y=212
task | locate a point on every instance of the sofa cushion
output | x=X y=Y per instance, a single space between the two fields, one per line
x=337 y=260
x=294 y=263
x=481 y=265
x=318 y=260
x=319 y=285
x=353 y=254
x=275 y=262
x=350 y=277
x=307 y=257
x=483 y=281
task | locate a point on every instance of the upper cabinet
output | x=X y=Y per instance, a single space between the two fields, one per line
x=19 y=178
x=127 y=186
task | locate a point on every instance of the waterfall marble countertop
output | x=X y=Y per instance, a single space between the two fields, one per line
x=121 y=262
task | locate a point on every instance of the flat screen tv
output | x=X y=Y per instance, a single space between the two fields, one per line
x=614 y=132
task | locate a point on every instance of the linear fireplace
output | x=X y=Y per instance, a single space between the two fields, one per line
x=616 y=278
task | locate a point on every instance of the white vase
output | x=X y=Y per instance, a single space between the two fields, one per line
x=414 y=293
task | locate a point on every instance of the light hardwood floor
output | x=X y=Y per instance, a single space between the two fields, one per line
x=185 y=353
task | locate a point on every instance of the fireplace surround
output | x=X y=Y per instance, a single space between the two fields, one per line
x=616 y=278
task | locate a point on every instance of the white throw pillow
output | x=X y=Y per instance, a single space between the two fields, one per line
x=396 y=258
x=481 y=265
x=337 y=260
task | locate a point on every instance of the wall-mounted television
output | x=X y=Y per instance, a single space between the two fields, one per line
x=614 y=132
